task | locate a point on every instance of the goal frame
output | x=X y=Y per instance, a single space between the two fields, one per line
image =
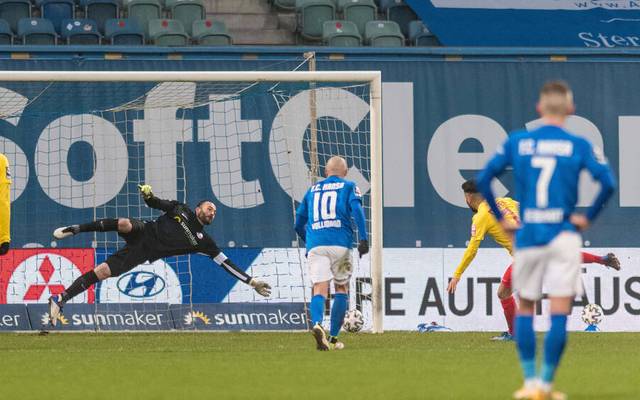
x=373 y=78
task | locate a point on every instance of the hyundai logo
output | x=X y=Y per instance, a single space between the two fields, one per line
x=141 y=284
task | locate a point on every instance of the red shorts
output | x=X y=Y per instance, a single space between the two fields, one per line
x=506 y=277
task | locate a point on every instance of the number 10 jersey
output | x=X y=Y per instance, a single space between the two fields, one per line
x=326 y=210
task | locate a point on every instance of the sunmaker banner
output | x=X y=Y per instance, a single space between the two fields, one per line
x=14 y=317
x=160 y=316
x=83 y=317
x=241 y=316
x=544 y=23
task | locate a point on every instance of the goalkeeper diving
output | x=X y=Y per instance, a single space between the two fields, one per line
x=179 y=230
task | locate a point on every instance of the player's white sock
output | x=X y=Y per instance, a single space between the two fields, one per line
x=546 y=386
x=531 y=383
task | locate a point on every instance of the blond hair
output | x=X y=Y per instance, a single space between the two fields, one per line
x=556 y=98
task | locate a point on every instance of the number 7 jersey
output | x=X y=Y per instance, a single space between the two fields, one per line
x=546 y=166
x=326 y=210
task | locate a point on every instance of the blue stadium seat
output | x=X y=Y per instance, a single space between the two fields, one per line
x=402 y=14
x=420 y=35
x=125 y=31
x=341 y=34
x=101 y=11
x=358 y=11
x=6 y=35
x=144 y=11
x=56 y=11
x=13 y=11
x=167 y=32
x=208 y=32
x=186 y=11
x=383 y=34
x=80 y=31
x=311 y=16
x=37 y=31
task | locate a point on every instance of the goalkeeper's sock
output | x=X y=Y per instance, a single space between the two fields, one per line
x=101 y=225
x=526 y=343
x=340 y=306
x=79 y=285
x=316 y=309
x=554 y=344
x=509 y=307
x=588 y=258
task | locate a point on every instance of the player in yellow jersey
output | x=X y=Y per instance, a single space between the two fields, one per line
x=483 y=223
x=5 y=204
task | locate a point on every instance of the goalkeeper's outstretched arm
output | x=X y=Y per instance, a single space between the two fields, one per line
x=154 y=202
x=263 y=288
x=212 y=250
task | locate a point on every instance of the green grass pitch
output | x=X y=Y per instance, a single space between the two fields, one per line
x=395 y=365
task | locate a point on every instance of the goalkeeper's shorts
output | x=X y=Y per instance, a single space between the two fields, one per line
x=133 y=254
x=330 y=262
x=126 y=259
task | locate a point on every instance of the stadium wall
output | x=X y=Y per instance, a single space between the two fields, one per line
x=444 y=112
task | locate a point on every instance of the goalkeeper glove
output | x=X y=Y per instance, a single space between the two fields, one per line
x=145 y=191
x=363 y=247
x=263 y=288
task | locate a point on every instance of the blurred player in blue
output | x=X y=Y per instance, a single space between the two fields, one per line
x=546 y=165
x=323 y=221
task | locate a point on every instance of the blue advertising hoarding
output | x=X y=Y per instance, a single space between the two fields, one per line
x=542 y=23
x=157 y=316
x=14 y=317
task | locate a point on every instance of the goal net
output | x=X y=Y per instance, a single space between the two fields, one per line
x=79 y=144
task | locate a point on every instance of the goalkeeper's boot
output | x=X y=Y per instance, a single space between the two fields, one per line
x=66 y=231
x=55 y=307
x=503 y=337
x=334 y=344
x=611 y=261
x=321 y=337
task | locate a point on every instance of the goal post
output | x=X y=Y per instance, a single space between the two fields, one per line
x=245 y=80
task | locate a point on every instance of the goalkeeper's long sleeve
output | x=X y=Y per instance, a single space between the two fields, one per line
x=228 y=265
x=160 y=204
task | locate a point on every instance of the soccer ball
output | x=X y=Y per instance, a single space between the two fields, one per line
x=353 y=321
x=592 y=314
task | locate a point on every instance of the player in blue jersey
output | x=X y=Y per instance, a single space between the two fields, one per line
x=323 y=221
x=546 y=165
